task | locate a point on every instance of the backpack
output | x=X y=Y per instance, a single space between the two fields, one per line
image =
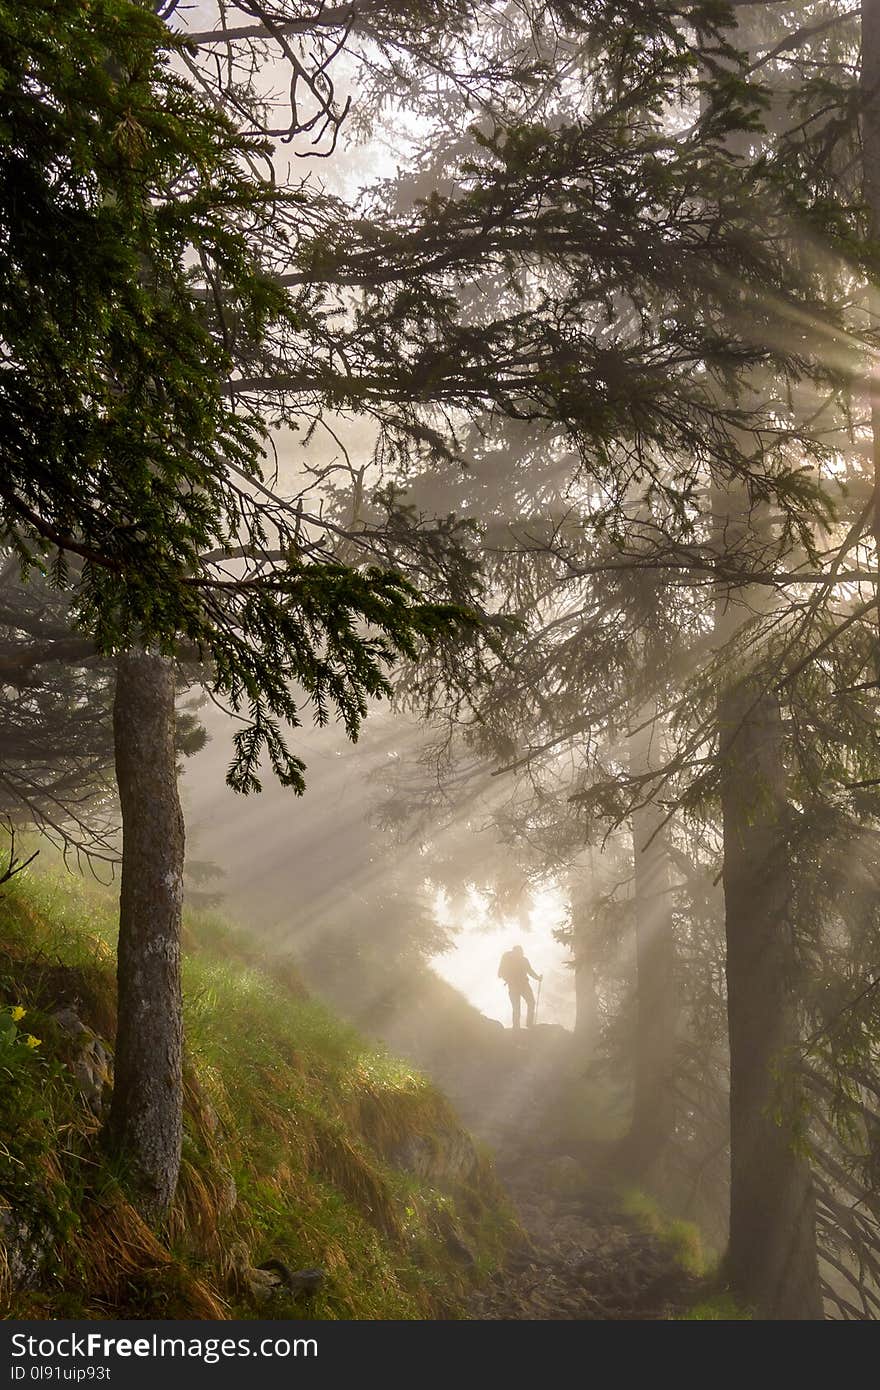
x=507 y=969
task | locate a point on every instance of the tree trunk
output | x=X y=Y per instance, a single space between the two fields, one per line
x=771 y=1260
x=653 y=1119
x=586 y=1018
x=586 y=1004
x=145 y=1122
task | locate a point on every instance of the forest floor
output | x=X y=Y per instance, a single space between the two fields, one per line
x=594 y=1251
x=586 y=1259
x=588 y=1256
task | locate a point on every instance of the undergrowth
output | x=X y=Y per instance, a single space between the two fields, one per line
x=293 y=1132
x=721 y=1307
x=682 y=1238
x=684 y=1241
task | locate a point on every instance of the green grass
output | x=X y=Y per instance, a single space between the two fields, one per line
x=292 y=1123
x=721 y=1307
x=684 y=1241
x=682 y=1238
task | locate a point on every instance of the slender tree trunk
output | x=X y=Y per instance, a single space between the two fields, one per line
x=586 y=1004
x=145 y=1122
x=581 y=898
x=771 y=1260
x=583 y=950
x=653 y=1120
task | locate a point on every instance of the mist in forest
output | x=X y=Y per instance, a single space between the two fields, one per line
x=298 y=871
x=440 y=660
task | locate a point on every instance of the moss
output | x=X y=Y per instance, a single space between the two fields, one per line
x=290 y=1121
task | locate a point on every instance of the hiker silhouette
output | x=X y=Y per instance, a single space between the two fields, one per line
x=515 y=971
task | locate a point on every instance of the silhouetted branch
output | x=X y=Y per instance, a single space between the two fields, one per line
x=14 y=866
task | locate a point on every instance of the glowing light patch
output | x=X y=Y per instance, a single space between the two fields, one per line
x=472 y=964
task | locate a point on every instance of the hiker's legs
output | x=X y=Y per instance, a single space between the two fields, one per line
x=530 y=1005
x=514 y=1004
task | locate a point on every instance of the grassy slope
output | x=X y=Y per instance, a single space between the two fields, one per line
x=291 y=1120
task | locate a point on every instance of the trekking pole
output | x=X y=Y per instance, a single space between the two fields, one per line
x=538 y=1000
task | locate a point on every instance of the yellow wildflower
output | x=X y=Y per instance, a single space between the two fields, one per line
x=17 y=1013
x=32 y=1041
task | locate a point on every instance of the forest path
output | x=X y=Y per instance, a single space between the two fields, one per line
x=584 y=1259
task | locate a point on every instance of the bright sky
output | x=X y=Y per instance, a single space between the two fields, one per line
x=472 y=965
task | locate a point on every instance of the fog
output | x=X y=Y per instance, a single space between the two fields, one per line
x=465 y=441
x=293 y=866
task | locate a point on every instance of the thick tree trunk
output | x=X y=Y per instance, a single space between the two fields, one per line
x=145 y=1122
x=653 y=1119
x=771 y=1261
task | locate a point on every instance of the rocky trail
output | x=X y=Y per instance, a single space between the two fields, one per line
x=584 y=1259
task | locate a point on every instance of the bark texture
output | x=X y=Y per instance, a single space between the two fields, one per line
x=145 y=1122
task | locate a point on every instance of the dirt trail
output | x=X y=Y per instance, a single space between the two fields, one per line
x=584 y=1260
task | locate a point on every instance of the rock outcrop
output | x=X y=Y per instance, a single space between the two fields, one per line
x=87 y=1057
